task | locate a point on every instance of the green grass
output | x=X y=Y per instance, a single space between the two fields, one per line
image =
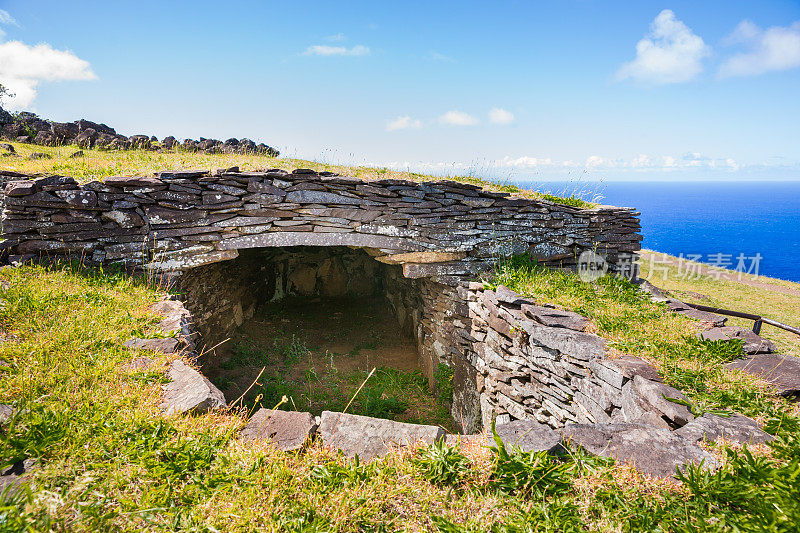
x=97 y=164
x=111 y=461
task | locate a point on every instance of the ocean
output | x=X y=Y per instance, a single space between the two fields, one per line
x=730 y=224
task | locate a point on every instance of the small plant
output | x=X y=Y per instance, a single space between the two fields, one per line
x=441 y=464
x=537 y=474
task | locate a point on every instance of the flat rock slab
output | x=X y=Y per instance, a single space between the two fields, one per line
x=653 y=451
x=751 y=343
x=736 y=428
x=529 y=436
x=167 y=345
x=14 y=475
x=555 y=318
x=631 y=366
x=782 y=371
x=190 y=391
x=286 y=430
x=370 y=438
x=642 y=399
x=6 y=412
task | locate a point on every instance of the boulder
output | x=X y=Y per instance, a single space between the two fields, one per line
x=39 y=155
x=169 y=142
x=86 y=138
x=653 y=451
x=529 y=436
x=286 y=430
x=167 y=345
x=370 y=438
x=8 y=148
x=5 y=117
x=735 y=428
x=84 y=125
x=190 y=391
x=75 y=155
x=642 y=398
x=64 y=131
x=782 y=371
x=631 y=366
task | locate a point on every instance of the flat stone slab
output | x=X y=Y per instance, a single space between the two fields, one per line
x=190 y=391
x=782 y=371
x=631 y=366
x=555 y=318
x=370 y=438
x=737 y=428
x=529 y=436
x=6 y=412
x=751 y=343
x=642 y=398
x=167 y=345
x=286 y=430
x=653 y=451
x=14 y=475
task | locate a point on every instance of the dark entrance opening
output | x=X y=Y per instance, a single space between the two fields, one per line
x=315 y=324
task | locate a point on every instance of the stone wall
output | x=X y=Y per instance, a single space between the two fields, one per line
x=181 y=220
x=511 y=359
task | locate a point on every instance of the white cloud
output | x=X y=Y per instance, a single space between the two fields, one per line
x=498 y=115
x=337 y=37
x=403 y=122
x=436 y=56
x=23 y=67
x=7 y=20
x=458 y=118
x=670 y=53
x=325 y=50
x=776 y=48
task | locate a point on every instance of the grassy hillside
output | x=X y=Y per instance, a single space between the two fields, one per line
x=97 y=164
x=768 y=297
x=110 y=460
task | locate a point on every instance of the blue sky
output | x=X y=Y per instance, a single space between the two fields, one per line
x=541 y=90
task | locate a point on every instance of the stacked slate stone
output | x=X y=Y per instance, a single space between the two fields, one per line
x=29 y=128
x=536 y=362
x=180 y=220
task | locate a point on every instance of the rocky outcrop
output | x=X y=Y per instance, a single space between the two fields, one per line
x=29 y=128
x=780 y=371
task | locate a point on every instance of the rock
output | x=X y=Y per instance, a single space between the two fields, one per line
x=75 y=155
x=126 y=218
x=321 y=197
x=176 y=318
x=14 y=475
x=39 y=155
x=631 y=366
x=704 y=316
x=555 y=318
x=654 y=451
x=735 y=428
x=167 y=345
x=287 y=430
x=751 y=343
x=5 y=117
x=782 y=371
x=169 y=142
x=370 y=438
x=6 y=412
x=8 y=147
x=529 y=436
x=641 y=396
x=20 y=188
x=190 y=391
x=139 y=364
x=86 y=138
x=583 y=346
